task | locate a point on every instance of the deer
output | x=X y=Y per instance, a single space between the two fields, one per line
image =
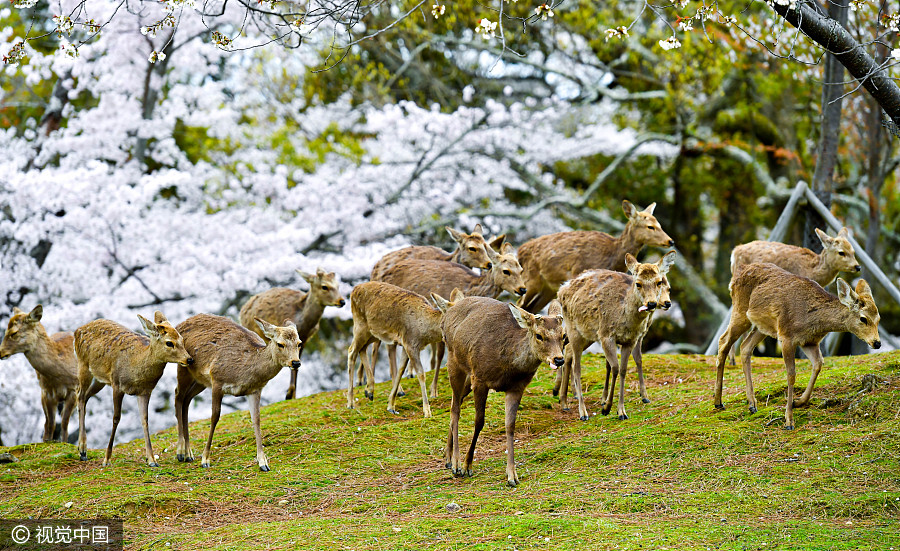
x=230 y=359
x=427 y=276
x=52 y=357
x=613 y=309
x=551 y=260
x=385 y=312
x=304 y=309
x=471 y=251
x=768 y=300
x=837 y=256
x=111 y=354
x=494 y=345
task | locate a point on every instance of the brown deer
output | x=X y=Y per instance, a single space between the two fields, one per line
x=837 y=256
x=385 y=312
x=471 y=251
x=111 y=354
x=304 y=309
x=611 y=308
x=232 y=360
x=497 y=346
x=770 y=301
x=429 y=276
x=551 y=260
x=52 y=357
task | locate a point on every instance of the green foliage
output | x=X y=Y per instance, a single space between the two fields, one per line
x=677 y=474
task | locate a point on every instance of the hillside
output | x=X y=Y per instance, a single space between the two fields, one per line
x=677 y=474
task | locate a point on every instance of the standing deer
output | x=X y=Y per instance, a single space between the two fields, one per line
x=52 y=357
x=837 y=256
x=233 y=360
x=497 y=346
x=471 y=251
x=304 y=309
x=768 y=300
x=111 y=354
x=385 y=312
x=611 y=308
x=551 y=260
x=430 y=276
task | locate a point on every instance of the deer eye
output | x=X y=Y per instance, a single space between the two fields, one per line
x=638 y=285
x=280 y=345
x=538 y=337
x=170 y=344
x=650 y=228
x=842 y=253
x=864 y=320
x=473 y=249
x=506 y=272
x=324 y=287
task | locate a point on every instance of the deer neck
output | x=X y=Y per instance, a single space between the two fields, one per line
x=828 y=318
x=308 y=314
x=484 y=286
x=147 y=364
x=42 y=355
x=454 y=256
x=631 y=316
x=821 y=272
x=627 y=243
x=263 y=364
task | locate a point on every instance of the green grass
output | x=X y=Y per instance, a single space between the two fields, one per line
x=678 y=474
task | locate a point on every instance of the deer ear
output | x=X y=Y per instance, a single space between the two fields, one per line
x=159 y=317
x=845 y=233
x=823 y=237
x=507 y=248
x=846 y=294
x=455 y=234
x=666 y=262
x=497 y=242
x=862 y=288
x=267 y=328
x=439 y=301
x=631 y=263
x=320 y=272
x=523 y=318
x=555 y=309
x=630 y=210
x=308 y=277
x=149 y=326
x=649 y=210
x=478 y=229
x=456 y=295
x=288 y=323
x=17 y=310
x=36 y=313
x=492 y=255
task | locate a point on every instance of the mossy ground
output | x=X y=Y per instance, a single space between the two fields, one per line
x=678 y=474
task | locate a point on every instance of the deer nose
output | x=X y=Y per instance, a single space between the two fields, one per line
x=295 y=363
x=190 y=361
x=488 y=266
x=521 y=291
x=341 y=303
x=651 y=305
x=558 y=361
x=876 y=345
x=666 y=305
x=671 y=242
x=857 y=267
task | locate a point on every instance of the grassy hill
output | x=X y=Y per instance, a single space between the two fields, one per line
x=676 y=475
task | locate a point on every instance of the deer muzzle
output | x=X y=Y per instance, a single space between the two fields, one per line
x=857 y=267
x=877 y=344
x=558 y=361
x=295 y=364
x=521 y=291
x=341 y=303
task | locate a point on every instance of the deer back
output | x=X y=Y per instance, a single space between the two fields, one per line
x=393 y=314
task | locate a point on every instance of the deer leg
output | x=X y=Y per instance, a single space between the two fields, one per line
x=117 y=415
x=181 y=389
x=815 y=357
x=479 y=398
x=577 y=347
x=261 y=458
x=561 y=387
x=396 y=375
x=737 y=325
x=370 y=376
x=623 y=368
x=213 y=421
x=48 y=404
x=750 y=343
x=193 y=390
x=413 y=355
x=352 y=355
x=144 y=405
x=460 y=387
x=437 y=355
x=612 y=366
x=68 y=406
x=787 y=352
x=292 y=387
x=392 y=361
x=373 y=358
x=606 y=381
x=639 y=362
x=512 y=409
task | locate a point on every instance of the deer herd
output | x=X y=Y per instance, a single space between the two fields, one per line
x=592 y=285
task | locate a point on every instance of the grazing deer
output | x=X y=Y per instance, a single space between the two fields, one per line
x=304 y=309
x=551 y=260
x=232 y=360
x=770 y=301
x=111 y=354
x=613 y=309
x=471 y=251
x=385 y=312
x=52 y=357
x=497 y=346
x=429 y=276
x=837 y=256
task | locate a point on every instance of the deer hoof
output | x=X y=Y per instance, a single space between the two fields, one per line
x=556 y=392
x=189 y=459
x=605 y=411
x=370 y=395
x=719 y=407
x=458 y=473
x=512 y=483
x=82 y=456
x=623 y=417
x=205 y=464
x=752 y=409
x=584 y=417
x=401 y=393
x=448 y=465
x=154 y=464
x=180 y=457
x=394 y=411
x=645 y=400
x=264 y=468
x=470 y=473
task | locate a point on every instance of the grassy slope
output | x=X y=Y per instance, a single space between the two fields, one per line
x=677 y=474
